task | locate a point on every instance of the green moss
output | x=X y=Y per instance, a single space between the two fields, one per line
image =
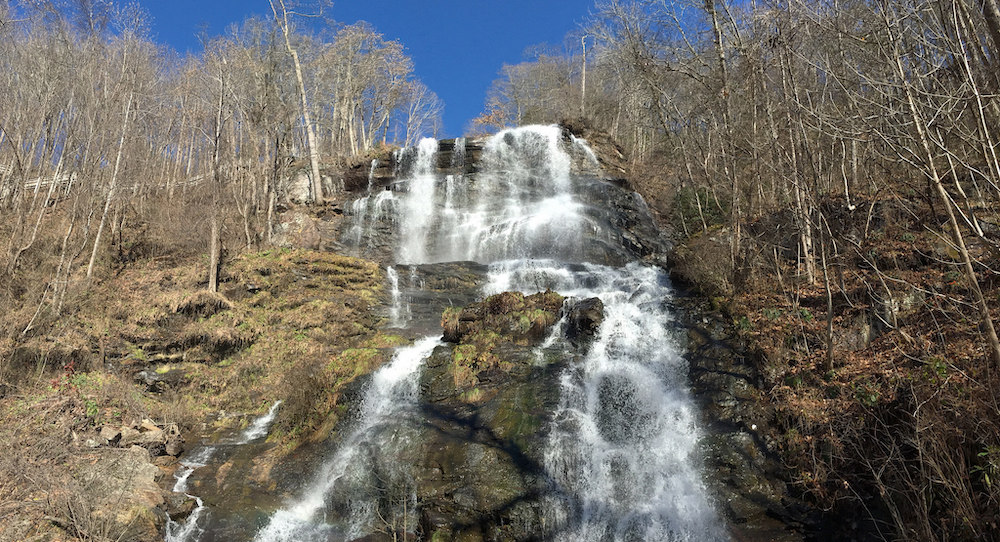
x=464 y=354
x=353 y=361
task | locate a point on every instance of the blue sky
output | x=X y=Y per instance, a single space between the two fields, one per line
x=457 y=46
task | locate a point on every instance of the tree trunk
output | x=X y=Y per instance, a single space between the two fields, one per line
x=214 y=244
x=925 y=143
x=317 y=181
x=727 y=148
x=111 y=186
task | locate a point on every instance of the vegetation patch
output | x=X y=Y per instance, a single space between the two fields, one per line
x=481 y=329
x=294 y=325
x=878 y=380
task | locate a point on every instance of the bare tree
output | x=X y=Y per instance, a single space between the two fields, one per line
x=281 y=19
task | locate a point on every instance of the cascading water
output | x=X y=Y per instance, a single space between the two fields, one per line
x=414 y=206
x=380 y=428
x=396 y=308
x=623 y=449
x=190 y=529
x=621 y=455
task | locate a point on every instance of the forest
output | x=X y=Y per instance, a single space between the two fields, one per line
x=102 y=127
x=828 y=172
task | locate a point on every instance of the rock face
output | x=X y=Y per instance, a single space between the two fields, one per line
x=488 y=398
x=747 y=477
x=297 y=230
x=583 y=319
x=115 y=491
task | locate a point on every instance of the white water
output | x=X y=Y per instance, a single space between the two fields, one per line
x=624 y=448
x=415 y=207
x=259 y=427
x=622 y=452
x=395 y=298
x=190 y=530
x=521 y=204
x=458 y=156
x=391 y=396
x=371 y=173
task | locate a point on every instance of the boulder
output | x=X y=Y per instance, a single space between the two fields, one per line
x=513 y=316
x=900 y=305
x=116 y=491
x=297 y=230
x=174 y=446
x=297 y=188
x=858 y=334
x=111 y=434
x=149 y=437
x=583 y=319
x=179 y=506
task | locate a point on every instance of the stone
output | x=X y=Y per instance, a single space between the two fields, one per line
x=179 y=506
x=856 y=336
x=120 y=489
x=111 y=434
x=901 y=305
x=153 y=440
x=174 y=446
x=148 y=378
x=332 y=186
x=297 y=188
x=166 y=462
x=584 y=319
x=297 y=230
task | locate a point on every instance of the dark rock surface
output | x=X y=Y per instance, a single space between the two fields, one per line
x=583 y=318
x=488 y=399
x=745 y=474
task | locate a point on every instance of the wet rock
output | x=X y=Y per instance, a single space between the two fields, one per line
x=518 y=318
x=179 y=506
x=749 y=481
x=487 y=402
x=584 y=319
x=623 y=415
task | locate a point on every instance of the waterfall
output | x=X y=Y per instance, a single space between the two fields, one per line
x=259 y=427
x=399 y=309
x=371 y=174
x=621 y=453
x=458 y=156
x=390 y=398
x=414 y=215
x=624 y=449
x=522 y=204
